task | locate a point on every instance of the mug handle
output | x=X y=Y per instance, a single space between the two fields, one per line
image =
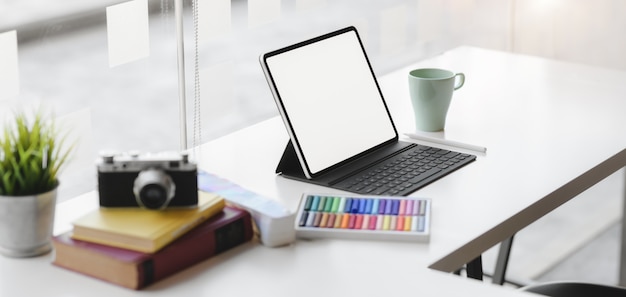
x=460 y=80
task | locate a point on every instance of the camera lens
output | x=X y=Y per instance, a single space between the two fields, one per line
x=153 y=189
x=153 y=196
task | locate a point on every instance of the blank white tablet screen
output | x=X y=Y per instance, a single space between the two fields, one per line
x=331 y=99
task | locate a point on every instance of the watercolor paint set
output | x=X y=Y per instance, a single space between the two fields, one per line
x=363 y=217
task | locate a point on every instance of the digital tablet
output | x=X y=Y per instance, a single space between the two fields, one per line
x=329 y=99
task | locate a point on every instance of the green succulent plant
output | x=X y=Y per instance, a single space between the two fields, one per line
x=31 y=154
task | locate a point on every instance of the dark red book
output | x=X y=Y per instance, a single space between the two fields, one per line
x=136 y=270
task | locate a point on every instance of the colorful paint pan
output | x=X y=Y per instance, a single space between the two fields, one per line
x=363 y=217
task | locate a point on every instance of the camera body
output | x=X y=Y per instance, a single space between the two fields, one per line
x=153 y=181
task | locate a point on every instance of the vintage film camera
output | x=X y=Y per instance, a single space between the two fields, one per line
x=153 y=181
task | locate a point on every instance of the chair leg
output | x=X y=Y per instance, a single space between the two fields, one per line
x=622 y=267
x=475 y=268
x=499 y=274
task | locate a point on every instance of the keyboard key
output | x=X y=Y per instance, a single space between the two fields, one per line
x=406 y=172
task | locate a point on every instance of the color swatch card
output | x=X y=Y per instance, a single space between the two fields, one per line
x=363 y=217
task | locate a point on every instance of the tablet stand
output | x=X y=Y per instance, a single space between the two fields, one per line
x=289 y=167
x=289 y=164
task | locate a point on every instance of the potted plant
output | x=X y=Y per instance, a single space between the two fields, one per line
x=31 y=154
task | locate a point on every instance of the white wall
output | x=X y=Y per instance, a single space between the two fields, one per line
x=580 y=31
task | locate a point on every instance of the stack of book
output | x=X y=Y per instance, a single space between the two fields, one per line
x=134 y=247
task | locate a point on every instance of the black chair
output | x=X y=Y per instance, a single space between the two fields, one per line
x=575 y=289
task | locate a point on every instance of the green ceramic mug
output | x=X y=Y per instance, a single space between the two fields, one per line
x=431 y=92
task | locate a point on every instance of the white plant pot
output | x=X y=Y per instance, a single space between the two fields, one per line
x=26 y=224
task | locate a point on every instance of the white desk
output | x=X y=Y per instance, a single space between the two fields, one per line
x=551 y=129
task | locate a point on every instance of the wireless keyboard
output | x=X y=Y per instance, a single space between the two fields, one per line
x=406 y=172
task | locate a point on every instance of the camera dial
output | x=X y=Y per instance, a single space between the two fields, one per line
x=153 y=188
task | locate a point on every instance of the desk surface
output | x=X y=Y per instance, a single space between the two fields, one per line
x=551 y=129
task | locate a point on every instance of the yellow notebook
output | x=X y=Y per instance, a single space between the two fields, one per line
x=144 y=230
